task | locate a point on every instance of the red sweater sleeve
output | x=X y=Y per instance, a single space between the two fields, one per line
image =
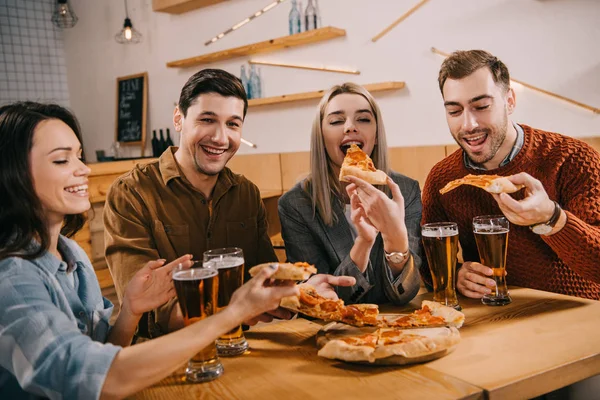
x=578 y=243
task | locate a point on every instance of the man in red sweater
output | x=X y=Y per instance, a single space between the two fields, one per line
x=554 y=242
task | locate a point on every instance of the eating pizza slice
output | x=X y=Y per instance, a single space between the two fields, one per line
x=299 y=271
x=358 y=163
x=489 y=183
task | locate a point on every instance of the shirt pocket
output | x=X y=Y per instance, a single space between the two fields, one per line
x=243 y=234
x=172 y=241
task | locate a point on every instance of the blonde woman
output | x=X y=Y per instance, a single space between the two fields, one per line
x=356 y=229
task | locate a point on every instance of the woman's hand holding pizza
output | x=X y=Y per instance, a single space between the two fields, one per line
x=384 y=214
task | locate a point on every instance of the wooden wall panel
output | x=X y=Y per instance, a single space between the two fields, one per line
x=415 y=162
x=451 y=148
x=592 y=141
x=294 y=168
x=262 y=169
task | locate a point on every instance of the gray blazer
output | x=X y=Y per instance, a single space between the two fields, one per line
x=307 y=238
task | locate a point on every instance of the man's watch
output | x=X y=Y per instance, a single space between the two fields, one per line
x=545 y=228
x=396 y=257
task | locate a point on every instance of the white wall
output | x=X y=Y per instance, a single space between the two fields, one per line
x=552 y=44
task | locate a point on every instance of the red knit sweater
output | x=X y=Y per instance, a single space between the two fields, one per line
x=567 y=262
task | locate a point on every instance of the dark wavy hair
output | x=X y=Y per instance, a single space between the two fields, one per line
x=211 y=81
x=21 y=215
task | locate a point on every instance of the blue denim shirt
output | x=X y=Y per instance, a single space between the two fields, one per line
x=53 y=327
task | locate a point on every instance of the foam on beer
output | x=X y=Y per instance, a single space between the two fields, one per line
x=440 y=232
x=487 y=229
x=194 y=274
x=226 y=262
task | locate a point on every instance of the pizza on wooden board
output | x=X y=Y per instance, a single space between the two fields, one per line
x=489 y=183
x=358 y=163
x=299 y=271
x=387 y=346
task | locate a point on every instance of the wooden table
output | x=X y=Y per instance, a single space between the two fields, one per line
x=539 y=343
x=283 y=364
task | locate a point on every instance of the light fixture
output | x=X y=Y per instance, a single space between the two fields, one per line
x=63 y=15
x=128 y=34
x=245 y=21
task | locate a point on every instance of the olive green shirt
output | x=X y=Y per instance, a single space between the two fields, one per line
x=154 y=212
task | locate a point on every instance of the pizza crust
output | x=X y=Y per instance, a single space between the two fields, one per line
x=287 y=271
x=419 y=345
x=373 y=177
x=452 y=317
x=490 y=183
x=502 y=185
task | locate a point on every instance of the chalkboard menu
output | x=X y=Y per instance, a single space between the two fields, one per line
x=132 y=101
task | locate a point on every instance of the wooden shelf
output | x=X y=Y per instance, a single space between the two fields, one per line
x=286 y=98
x=181 y=6
x=299 y=39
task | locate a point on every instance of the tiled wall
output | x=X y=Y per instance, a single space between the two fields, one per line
x=32 y=59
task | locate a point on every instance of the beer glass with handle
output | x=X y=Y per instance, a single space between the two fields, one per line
x=230 y=264
x=197 y=290
x=440 y=241
x=491 y=236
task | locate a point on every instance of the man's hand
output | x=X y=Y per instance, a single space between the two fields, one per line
x=473 y=280
x=535 y=208
x=324 y=284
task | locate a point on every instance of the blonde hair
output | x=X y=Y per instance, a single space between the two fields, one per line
x=322 y=184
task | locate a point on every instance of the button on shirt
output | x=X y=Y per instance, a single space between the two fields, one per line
x=53 y=326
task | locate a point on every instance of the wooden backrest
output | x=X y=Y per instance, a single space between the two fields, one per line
x=592 y=141
x=294 y=168
x=264 y=170
x=415 y=162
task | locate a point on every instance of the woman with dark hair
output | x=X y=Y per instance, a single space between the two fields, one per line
x=357 y=229
x=55 y=340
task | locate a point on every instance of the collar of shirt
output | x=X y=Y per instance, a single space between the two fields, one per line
x=513 y=153
x=51 y=263
x=169 y=169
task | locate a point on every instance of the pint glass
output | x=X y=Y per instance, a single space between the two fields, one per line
x=197 y=294
x=491 y=236
x=440 y=241
x=230 y=264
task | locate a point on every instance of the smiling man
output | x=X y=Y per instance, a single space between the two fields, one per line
x=188 y=201
x=554 y=242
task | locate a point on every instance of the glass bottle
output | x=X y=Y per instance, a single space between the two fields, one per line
x=162 y=144
x=254 y=83
x=245 y=82
x=318 y=24
x=295 y=21
x=169 y=142
x=310 y=16
x=154 y=144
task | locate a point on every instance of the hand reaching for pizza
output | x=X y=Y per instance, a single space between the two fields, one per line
x=473 y=281
x=325 y=284
x=535 y=208
x=385 y=214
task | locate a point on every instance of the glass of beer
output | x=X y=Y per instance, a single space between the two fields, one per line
x=197 y=290
x=491 y=236
x=230 y=264
x=441 y=246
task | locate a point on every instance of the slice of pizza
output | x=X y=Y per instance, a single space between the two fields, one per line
x=358 y=163
x=351 y=348
x=299 y=271
x=489 y=183
x=395 y=346
x=311 y=303
x=431 y=314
